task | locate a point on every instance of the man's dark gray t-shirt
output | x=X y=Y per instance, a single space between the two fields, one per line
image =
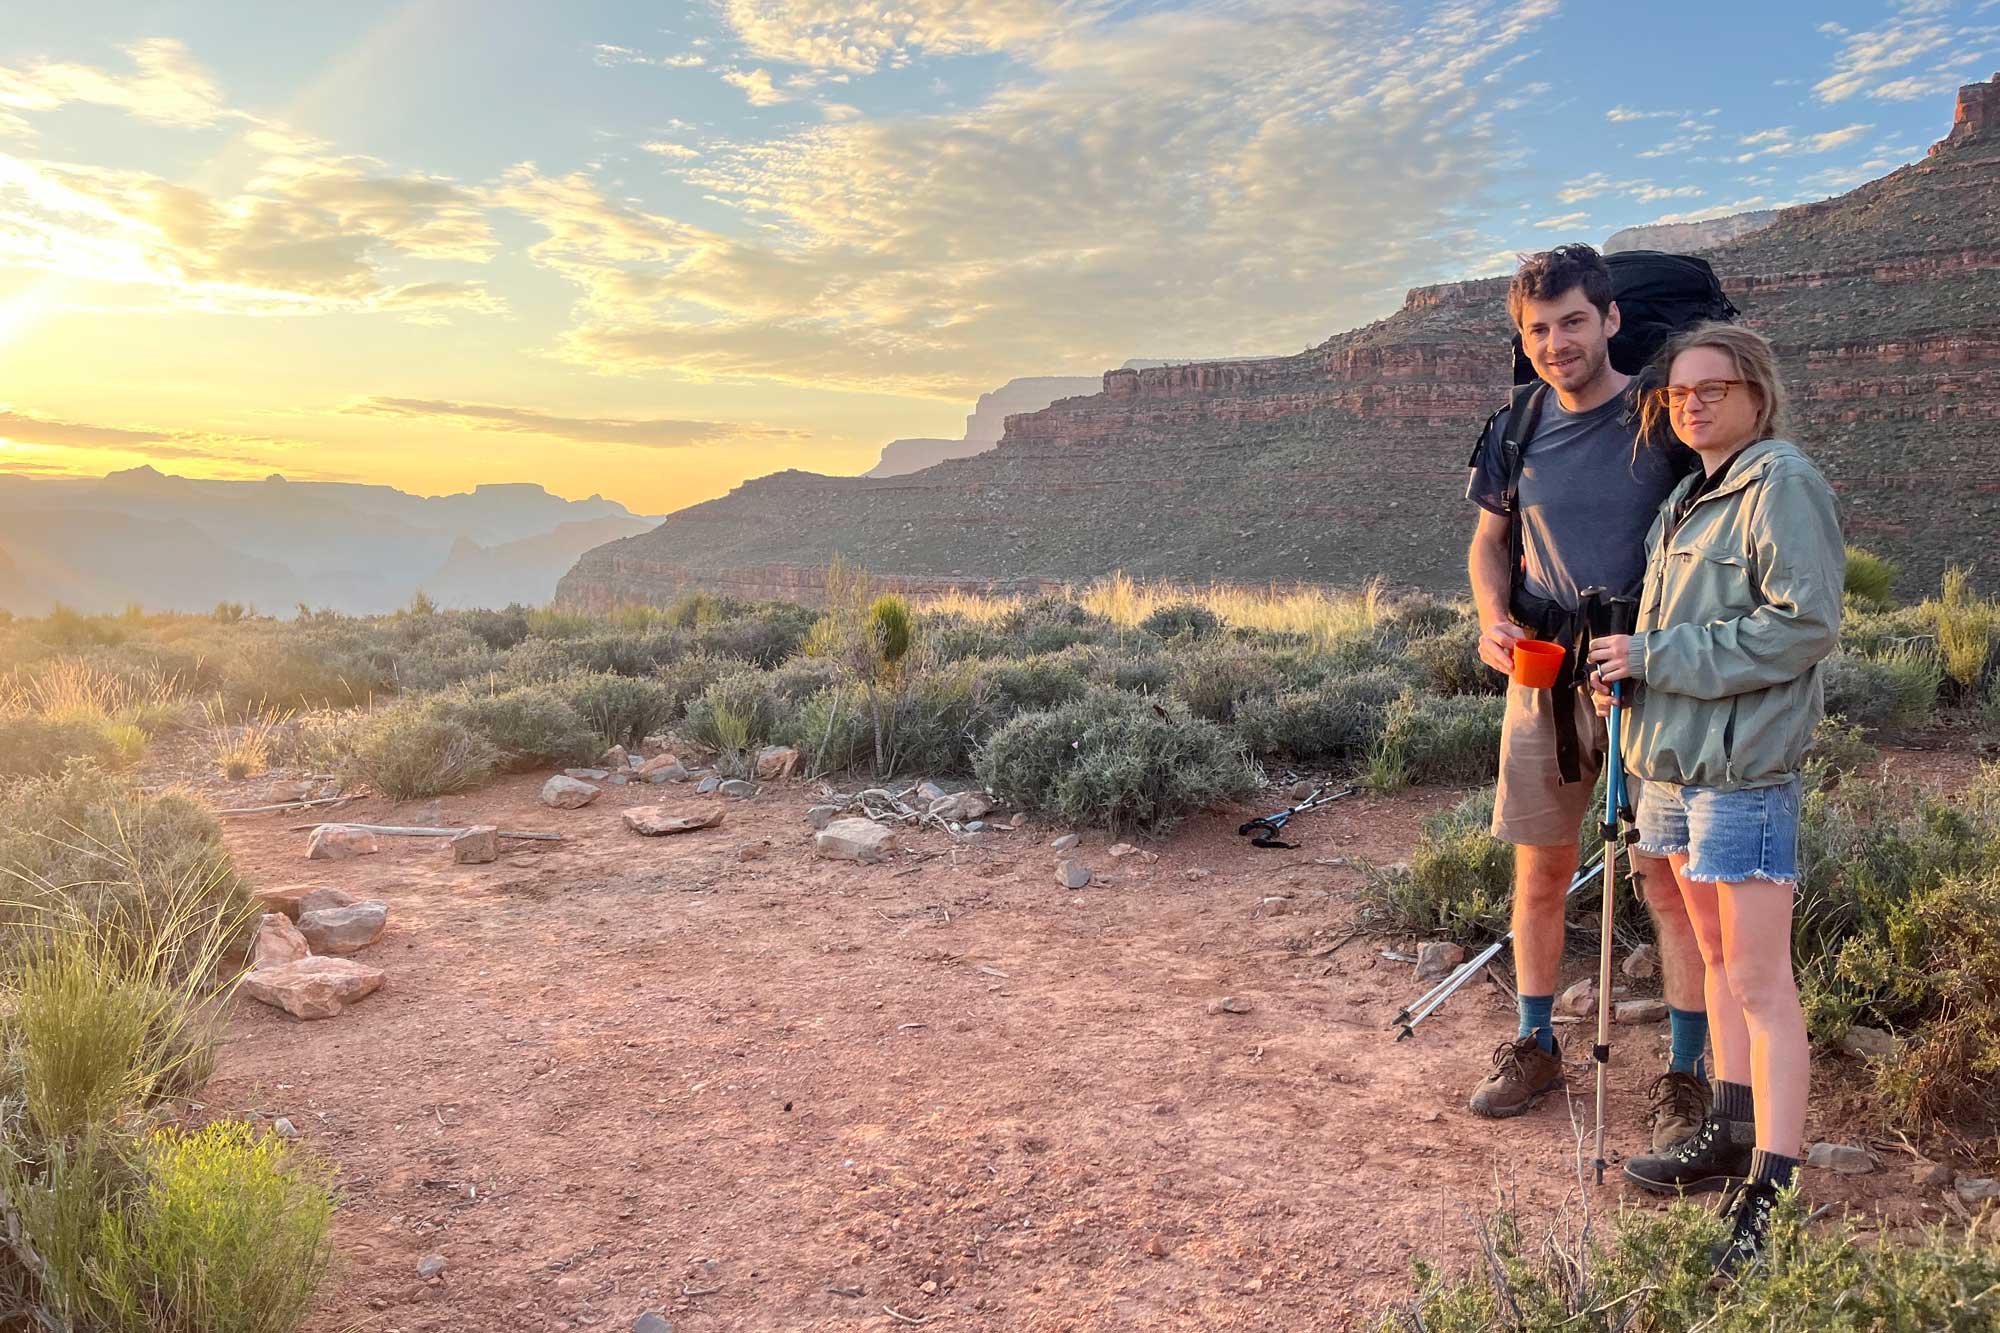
x=1586 y=497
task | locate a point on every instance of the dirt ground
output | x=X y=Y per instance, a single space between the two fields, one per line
x=617 y=1074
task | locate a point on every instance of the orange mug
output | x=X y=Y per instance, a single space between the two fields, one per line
x=1537 y=663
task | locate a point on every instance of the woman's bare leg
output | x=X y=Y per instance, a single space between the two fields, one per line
x=1756 y=917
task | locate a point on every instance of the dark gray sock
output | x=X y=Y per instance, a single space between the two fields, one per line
x=1732 y=1101
x=1775 y=1168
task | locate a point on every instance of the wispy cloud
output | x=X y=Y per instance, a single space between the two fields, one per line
x=1784 y=142
x=651 y=434
x=57 y=433
x=863 y=36
x=1567 y=222
x=1867 y=57
x=166 y=87
x=756 y=85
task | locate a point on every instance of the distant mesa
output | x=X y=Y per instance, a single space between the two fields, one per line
x=988 y=421
x=1346 y=462
x=1690 y=237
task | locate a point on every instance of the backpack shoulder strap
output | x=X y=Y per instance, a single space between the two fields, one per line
x=1524 y=414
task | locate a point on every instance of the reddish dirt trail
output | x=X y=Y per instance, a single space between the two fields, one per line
x=620 y=1074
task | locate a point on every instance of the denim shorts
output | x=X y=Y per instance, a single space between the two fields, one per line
x=1727 y=836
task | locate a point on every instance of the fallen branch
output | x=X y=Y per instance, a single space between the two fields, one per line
x=287 y=805
x=900 y=1317
x=393 y=831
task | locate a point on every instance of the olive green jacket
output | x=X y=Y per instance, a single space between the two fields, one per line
x=1741 y=603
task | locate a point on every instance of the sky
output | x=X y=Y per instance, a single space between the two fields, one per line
x=648 y=250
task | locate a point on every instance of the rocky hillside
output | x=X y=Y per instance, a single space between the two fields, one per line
x=1688 y=237
x=1346 y=462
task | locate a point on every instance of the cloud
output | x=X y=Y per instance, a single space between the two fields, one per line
x=1116 y=190
x=1717 y=211
x=603 y=53
x=649 y=434
x=1649 y=194
x=1917 y=87
x=756 y=86
x=167 y=87
x=1866 y=57
x=56 y=433
x=1567 y=222
x=862 y=36
x=1783 y=142
x=673 y=152
x=1622 y=114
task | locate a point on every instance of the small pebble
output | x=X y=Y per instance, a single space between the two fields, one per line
x=1230 y=1004
x=430 y=1266
x=284 y=1128
x=1066 y=842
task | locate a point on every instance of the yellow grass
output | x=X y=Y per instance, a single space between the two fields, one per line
x=241 y=750
x=1322 y=615
x=72 y=690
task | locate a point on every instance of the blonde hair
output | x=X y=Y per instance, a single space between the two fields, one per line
x=1756 y=366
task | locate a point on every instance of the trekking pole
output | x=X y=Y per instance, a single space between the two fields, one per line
x=1268 y=827
x=1614 y=797
x=1407 y=1018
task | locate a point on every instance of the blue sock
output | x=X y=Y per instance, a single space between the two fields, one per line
x=1537 y=1016
x=1688 y=1030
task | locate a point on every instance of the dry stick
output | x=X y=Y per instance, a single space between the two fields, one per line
x=900 y=1316
x=393 y=831
x=287 y=805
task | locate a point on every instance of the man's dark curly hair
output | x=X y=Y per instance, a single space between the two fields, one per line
x=1545 y=276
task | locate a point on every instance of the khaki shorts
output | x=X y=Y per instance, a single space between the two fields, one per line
x=1533 y=806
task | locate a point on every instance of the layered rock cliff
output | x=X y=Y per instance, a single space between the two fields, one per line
x=1347 y=461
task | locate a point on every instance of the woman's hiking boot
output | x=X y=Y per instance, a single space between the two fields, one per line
x=1715 y=1156
x=1679 y=1103
x=1749 y=1227
x=1523 y=1074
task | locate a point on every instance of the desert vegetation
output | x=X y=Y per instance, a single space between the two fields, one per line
x=1116 y=705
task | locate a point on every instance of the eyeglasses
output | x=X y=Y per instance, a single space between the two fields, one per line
x=1675 y=397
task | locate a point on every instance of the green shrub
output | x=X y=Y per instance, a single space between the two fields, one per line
x=1838 y=749
x=1181 y=620
x=622 y=710
x=1870 y=578
x=1337 y=723
x=764 y=638
x=1968 y=626
x=801 y=678
x=1214 y=680
x=1141 y=673
x=1111 y=759
x=694 y=608
x=1459 y=883
x=687 y=677
x=417 y=749
x=36 y=747
x=1031 y=684
x=1450 y=662
x=1886 y=694
x=939 y=714
x=530 y=726
x=1649 y=1273
x=232 y=1230
x=498 y=630
x=1427 y=739
x=1875 y=632
x=1424 y=617
x=1051 y=623
x=833 y=730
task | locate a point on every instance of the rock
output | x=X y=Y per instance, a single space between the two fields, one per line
x=1639 y=1011
x=277 y=941
x=344 y=930
x=975 y=826
x=653 y=1322
x=615 y=758
x=1120 y=850
x=1274 y=906
x=618 y=780
x=775 y=763
x=586 y=774
x=1866 y=1043
x=1436 y=958
x=738 y=788
x=290 y=791
x=854 y=839
x=338 y=842
x=1072 y=873
x=654 y=821
x=284 y=898
x=822 y=815
x=1580 y=1000
x=1642 y=964
x=928 y=791
x=1065 y=842
x=1230 y=1004
x=1977 y=1189
x=659 y=763
x=321 y=899
x=963 y=805
x=1016 y=819
x=562 y=792
x=708 y=784
x=311 y=988
x=1193 y=873
x=1841 y=1158
x=477 y=846
x=753 y=851
x=430 y=1266
x=671 y=773
x=284 y=1128
x=1932 y=1175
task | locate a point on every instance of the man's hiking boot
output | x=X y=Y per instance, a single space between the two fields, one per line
x=1749 y=1227
x=1679 y=1105
x=1711 y=1158
x=1523 y=1074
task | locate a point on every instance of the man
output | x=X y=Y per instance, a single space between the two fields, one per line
x=1587 y=491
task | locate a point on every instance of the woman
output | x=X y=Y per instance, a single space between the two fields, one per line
x=1741 y=602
